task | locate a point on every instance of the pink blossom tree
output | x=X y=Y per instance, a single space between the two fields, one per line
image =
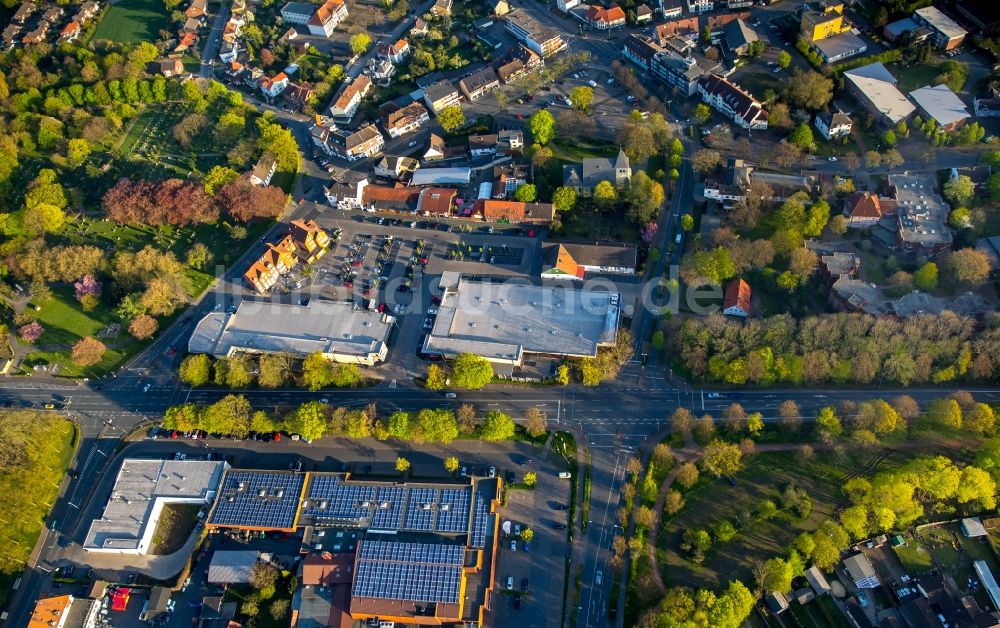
x=649 y=232
x=87 y=285
x=30 y=333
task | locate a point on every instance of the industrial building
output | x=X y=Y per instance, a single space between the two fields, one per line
x=504 y=322
x=142 y=490
x=341 y=331
x=942 y=105
x=875 y=87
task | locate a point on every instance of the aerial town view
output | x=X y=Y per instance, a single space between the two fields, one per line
x=500 y=313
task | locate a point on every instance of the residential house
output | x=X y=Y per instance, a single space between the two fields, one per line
x=382 y=197
x=395 y=52
x=516 y=63
x=52 y=14
x=946 y=34
x=440 y=96
x=347 y=103
x=86 y=11
x=533 y=34
x=441 y=8
x=327 y=17
x=311 y=242
x=167 y=67
x=298 y=94
x=507 y=178
x=848 y=294
x=479 y=83
x=584 y=178
x=346 y=190
x=603 y=18
x=10 y=34
x=567 y=5
x=685 y=27
x=864 y=210
x=833 y=125
x=36 y=36
x=678 y=71
x=700 y=6
x=70 y=32
x=298 y=12
x=860 y=570
x=276 y=261
x=482 y=145
x=874 y=86
x=197 y=8
x=736 y=299
x=24 y=11
x=573 y=261
x=186 y=41
x=406 y=120
x=367 y=141
x=264 y=170
x=381 y=70
x=273 y=86
x=643 y=14
x=191 y=25
x=435 y=148
x=716 y=24
x=500 y=8
x=420 y=28
x=941 y=104
x=514 y=211
x=738 y=36
x=510 y=141
x=436 y=201
x=732 y=101
x=817 y=581
x=394 y=167
x=777 y=602
x=671 y=9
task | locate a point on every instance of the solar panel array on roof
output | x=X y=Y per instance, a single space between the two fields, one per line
x=389 y=513
x=387 y=507
x=418 y=572
x=480 y=521
x=453 y=513
x=421 y=509
x=258 y=500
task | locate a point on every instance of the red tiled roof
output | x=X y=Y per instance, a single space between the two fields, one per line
x=864 y=205
x=325 y=12
x=737 y=295
x=609 y=16
x=436 y=201
x=513 y=210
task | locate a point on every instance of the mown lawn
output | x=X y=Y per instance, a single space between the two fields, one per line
x=133 y=21
x=29 y=489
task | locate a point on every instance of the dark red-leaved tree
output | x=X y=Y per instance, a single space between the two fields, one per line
x=244 y=201
x=174 y=202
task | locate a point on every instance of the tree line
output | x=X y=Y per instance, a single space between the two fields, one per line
x=268 y=370
x=233 y=416
x=837 y=348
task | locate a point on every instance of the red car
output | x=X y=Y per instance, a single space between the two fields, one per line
x=173 y=434
x=172 y=351
x=422 y=260
x=436 y=300
x=277 y=436
x=356 y=264
x=348 y=284
x=381 y=307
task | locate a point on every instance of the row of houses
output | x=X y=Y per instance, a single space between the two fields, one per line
x=305 y=243
x=27 y=27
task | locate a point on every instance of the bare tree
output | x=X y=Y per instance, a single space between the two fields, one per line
x=736 y=417
x=467 y=418
x=535 y=422
x=681 y=421
x=790 y=414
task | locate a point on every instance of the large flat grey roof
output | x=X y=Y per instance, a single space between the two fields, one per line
x=941 y=104
x=332 y=327
x=879 y=86
x=500 y=321
x=140 y=485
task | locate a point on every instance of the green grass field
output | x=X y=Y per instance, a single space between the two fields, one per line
x=30 y=489
x=133 y=21
x=712 y=501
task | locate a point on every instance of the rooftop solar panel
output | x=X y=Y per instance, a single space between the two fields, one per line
x=389 y=508
x=254 y=499
x=419 y=572
x=480 y=521
x=453 y=512
x=421 y=509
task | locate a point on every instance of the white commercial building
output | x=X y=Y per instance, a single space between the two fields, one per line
x=341 y=331
x=143 y=488
x=504 y=321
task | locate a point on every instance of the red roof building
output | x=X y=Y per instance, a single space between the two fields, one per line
x=603 y=19
x=736 y=301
